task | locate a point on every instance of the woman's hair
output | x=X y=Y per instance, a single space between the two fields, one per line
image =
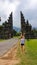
x=21 y=36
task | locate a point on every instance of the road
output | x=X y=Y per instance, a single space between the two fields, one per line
x=6 y=45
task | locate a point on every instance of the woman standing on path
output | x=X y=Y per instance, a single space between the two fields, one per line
x=22 y=42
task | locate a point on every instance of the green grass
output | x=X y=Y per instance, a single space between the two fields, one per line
x=30 y=53
x=16 y=37
x=1 y=40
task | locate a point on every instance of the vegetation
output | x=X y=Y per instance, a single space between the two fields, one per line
x=30 y=53
x=14 y=32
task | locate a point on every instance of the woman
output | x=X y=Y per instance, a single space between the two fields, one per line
x=22 y=42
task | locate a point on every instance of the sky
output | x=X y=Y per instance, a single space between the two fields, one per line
x=28 y=8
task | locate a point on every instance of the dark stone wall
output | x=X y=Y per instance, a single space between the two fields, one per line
x=26 y=28
x=6 y=30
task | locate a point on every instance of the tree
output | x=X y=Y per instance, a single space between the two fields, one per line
x=14 y=32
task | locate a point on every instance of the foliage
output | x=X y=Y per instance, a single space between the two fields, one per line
x=14 y=32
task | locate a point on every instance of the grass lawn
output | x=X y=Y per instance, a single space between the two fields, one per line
x=16 y=37
x=1 y=40
x=30 y=53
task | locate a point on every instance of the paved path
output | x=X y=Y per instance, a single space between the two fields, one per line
x=6 y=45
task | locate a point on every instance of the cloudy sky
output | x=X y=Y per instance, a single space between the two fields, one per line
x=28 y=8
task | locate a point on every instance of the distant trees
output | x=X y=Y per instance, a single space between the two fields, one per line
x=14 y=32
x=1 y=31
x=35 y=33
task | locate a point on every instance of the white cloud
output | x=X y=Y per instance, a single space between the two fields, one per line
x=29 y=8
x=33 y=4
x=29 y=4
x=7 y=8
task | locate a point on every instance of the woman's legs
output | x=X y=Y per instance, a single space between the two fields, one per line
x=22 y=48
